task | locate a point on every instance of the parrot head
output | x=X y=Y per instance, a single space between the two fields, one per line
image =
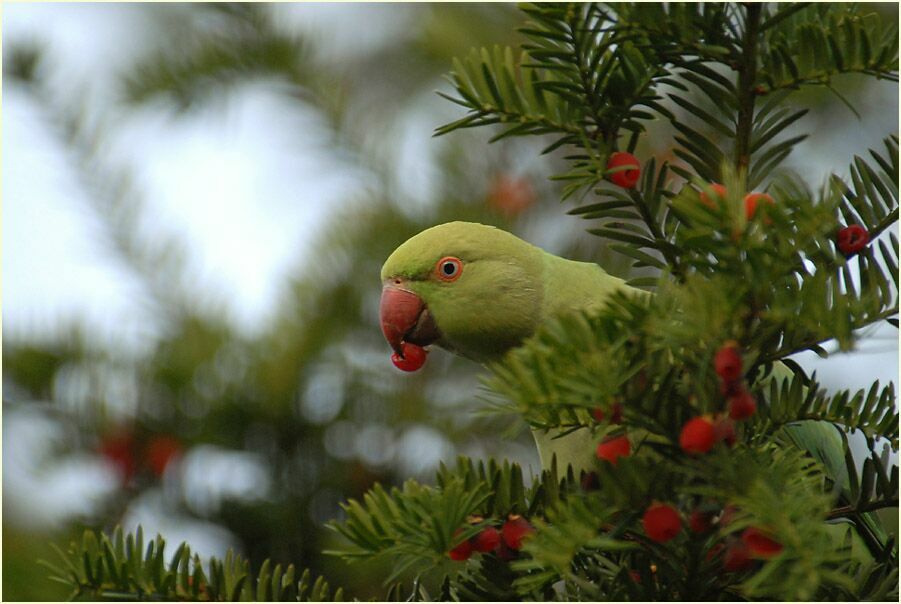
x=466 y=287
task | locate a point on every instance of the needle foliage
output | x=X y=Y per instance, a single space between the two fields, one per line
x=587 y=82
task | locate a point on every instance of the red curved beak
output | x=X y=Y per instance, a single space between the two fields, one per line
x=399 y=312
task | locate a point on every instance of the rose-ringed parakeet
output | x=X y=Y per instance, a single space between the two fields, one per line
x=479 y=291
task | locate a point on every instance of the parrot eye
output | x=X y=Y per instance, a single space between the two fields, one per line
x=449 y=268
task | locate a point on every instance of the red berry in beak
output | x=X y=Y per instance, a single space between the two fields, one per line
x=412 y=359
x=661 y=522
x=629 y=169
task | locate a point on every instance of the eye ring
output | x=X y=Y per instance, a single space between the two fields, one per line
x=449 y=268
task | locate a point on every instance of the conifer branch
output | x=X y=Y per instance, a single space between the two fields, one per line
x=747 y=74
x=784 y=12
x=119 y=567
x=818 y=341
x=848 y=511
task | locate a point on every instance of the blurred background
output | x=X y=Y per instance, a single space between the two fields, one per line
x=197 y=200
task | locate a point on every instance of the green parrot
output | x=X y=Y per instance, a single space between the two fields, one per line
x=434 y=281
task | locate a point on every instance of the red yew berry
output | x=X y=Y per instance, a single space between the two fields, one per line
x=742 y=406
x=624 y=177
x=852 y=239
x=759 y=544
x=162 y=450
x=751 y=201
x=515 y=530
x=661 y=522
x=511 y=195
x=613 y=448
x=487 y=540
x=462 y=551
x=697 y=436
x=635 y=576
x=716 y=188
x=413 y=357
x=727 y=362
x=701 y=521
x=737 y=557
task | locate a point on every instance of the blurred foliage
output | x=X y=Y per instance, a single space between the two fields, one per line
x=314 y=398
x=23 y=578
x=119 y=567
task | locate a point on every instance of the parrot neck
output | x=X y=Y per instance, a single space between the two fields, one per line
x=571 y=286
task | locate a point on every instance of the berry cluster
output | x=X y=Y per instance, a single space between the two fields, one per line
x=850 y=239
x=662 y=522
x=738 y=552
x=130 y=454
x=728 y=366
x=701 y=433
x=505 y=543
